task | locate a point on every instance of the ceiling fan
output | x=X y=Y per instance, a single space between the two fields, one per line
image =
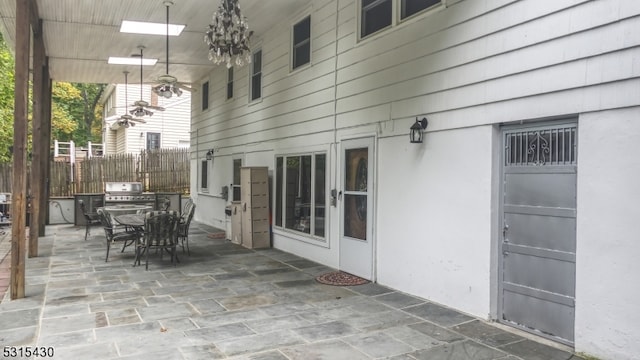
x=143 y=108
x=168 y=84
x=127 y=120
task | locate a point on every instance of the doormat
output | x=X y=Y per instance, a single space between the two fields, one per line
x=217 y=235
x=339 y=278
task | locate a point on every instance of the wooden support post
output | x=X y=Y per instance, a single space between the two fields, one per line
x=45 y=161
x=37 y=183
x=19 y=180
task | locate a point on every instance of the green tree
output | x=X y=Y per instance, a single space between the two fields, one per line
x=78 y=104
x=63 y=122
x=7 y=85
x=91 y=111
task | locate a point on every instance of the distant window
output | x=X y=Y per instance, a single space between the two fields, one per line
x=410 y=7
x=204 y=181
x=237 y=164
x=153 y=141
x=279 y=189
x=256 y=75
x=376 y=15
x=230 y=83
x=302 y=42
x=205 y=96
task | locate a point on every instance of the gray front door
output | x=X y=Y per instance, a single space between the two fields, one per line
x=538 y=243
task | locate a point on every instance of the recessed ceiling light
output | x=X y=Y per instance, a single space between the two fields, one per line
x=149 y=28
x=130 y=61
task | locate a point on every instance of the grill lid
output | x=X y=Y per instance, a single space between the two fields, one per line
x=123 y=188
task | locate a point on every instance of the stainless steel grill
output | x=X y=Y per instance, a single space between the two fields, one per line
x=131 y=193
x=127 y=193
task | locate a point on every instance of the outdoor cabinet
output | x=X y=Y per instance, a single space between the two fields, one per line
x=254 y=183
x=236 y=222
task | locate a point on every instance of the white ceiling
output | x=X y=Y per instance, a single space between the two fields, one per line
x=80 y=35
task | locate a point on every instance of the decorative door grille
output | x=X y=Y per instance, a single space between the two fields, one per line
x=541 y=146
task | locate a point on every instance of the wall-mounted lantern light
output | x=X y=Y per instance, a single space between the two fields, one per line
x=210 y=154
x=417 y=130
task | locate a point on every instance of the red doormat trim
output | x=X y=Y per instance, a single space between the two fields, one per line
x=218 y=235
x=340 y=278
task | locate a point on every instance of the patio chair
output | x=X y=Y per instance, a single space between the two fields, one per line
x=185 y=222
x=161 y=233
x=127 y=237
x=91 y=218
x=165 y=205
x=186 y=206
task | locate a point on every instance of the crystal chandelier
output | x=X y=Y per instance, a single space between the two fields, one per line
x=228 y=36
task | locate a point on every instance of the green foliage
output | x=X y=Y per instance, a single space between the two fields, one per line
x=75 y=113
x=7 y=86
x=91 y=111
x=63 y=123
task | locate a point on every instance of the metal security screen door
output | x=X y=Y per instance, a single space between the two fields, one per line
x=538 y=243
x=356 y=245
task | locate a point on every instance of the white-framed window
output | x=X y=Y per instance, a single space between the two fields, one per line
x=409 y=8
x=235 y=185
x=204 y=175
x=376 y=15
x=300 y=193
x=230 y=83
x=205 y=96
x=153 y=140
x=301 y=43
x=256 y=76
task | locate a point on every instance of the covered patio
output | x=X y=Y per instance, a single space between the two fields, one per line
x=225 y=301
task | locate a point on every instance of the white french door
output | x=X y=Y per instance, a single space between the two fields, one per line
x=356 y=224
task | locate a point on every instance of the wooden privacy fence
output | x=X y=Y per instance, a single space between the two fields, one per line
x=5 y=177
x=163 y=170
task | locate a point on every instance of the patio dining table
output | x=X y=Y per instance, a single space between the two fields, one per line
x=115 y=210
x=132 y=220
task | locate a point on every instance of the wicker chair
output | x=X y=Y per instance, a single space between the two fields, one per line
x=127 y=237
x=185 y=222
x=161 y=233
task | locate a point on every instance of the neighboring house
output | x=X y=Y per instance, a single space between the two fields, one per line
x=520 y=205
x=164 y=129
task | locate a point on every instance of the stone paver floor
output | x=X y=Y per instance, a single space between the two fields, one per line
x=225 y=301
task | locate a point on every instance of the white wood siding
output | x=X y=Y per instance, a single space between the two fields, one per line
x=172 y=124
x=468 y=66
x=445 y=64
